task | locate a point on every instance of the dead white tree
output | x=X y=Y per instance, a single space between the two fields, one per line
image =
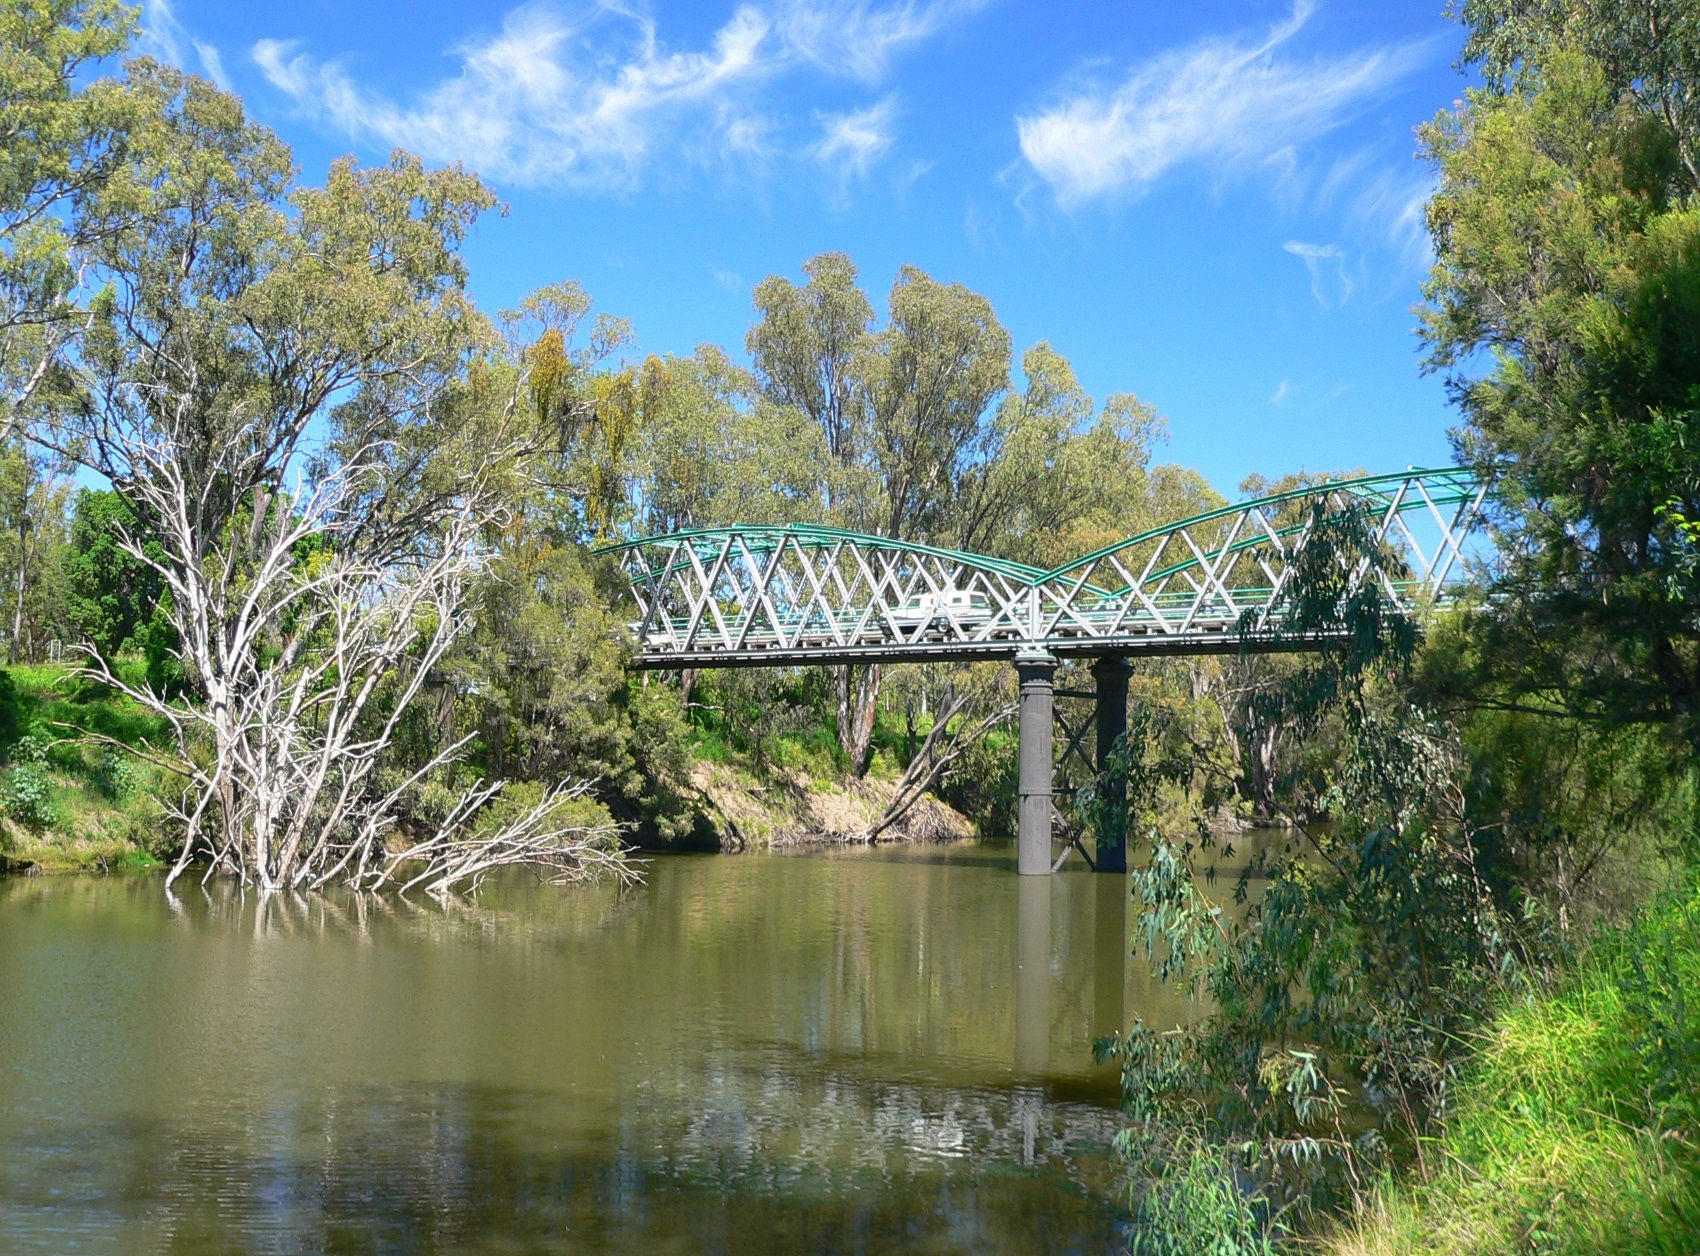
x=307 y=666
x=314 y=429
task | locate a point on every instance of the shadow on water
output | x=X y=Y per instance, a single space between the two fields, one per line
x=860 y=1052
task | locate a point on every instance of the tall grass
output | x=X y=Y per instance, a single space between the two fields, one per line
x=1577 y=1127
x=95 y=805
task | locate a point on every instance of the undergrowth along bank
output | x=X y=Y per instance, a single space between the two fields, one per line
x=1576 y=1125
x=70 y=801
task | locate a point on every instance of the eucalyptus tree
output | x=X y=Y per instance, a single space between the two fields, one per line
x=59 y=141
x=33 y=493
x=307 y=418
x=716 y=451
x=898 y=408
x=1048 y=477
x=1562 y=304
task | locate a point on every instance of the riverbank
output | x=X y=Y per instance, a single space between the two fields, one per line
x=1576 y=1127
x=68 y=804
x=782 y=806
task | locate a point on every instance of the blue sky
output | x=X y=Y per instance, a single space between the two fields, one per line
x=1216 y=206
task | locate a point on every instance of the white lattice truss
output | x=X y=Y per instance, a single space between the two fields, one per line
x=750 y=595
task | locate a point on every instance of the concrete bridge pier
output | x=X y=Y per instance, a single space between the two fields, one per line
x=1036 y=781
x=1037 y=670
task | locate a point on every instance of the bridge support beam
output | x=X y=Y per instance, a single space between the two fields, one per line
x=1033 y=846
x=1111 y=674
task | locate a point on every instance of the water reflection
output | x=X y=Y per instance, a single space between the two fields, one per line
x=1109 y=955
x=1033 y=977
x=859 y=1052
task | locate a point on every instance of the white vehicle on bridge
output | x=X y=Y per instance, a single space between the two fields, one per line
x=947 y=607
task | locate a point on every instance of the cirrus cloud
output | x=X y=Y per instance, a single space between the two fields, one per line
x=595 y=99
x=1221 y=103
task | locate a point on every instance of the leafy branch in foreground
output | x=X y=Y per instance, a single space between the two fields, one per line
x=1337 y=1004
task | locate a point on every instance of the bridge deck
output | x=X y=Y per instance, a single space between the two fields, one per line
x=755 y=595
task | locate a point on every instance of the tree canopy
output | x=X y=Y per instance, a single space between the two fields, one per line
x=1563 y=305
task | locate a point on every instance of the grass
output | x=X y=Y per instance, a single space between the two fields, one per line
x=98 y=807
x=1577 y=1127
x=50 y=694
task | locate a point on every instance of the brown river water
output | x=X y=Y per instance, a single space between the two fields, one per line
x=862 y=1051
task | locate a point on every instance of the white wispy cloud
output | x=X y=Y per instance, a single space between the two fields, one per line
x=1329 y=282
x=850 y=143
x=530 y=106
x=164 y=38
x=1223 y=104
x=858 y=38
x=596 y=98
x=1393 y=203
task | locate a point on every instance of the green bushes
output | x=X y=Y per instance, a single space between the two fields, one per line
x=68 y=802
x=982 y=784
x=27 y=796
x=1196 y=1207
x=1576 y=1127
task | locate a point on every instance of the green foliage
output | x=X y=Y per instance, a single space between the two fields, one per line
x=33 y=542
x=13 y=718
x=775 y=716
x=81 y=803
x=982 y=783
x=111 y=594
x=541 y=682
x=911 y=430
x=1337 y=1004
x=59 y=142
x=115 y=774
x=1197 y=1207
x=1567 y=247
x=28 y=791
x=1573 y=1127
x=712 y=451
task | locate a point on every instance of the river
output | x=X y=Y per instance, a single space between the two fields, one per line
x=848 y=1051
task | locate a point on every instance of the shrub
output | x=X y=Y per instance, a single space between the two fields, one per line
x=1197 y=1205
x=115 y=774
x=28 y=793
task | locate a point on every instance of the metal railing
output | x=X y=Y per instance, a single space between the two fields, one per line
x=746 y=595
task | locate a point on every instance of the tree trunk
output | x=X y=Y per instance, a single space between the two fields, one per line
x=858 y=693
x=941 y=748
x=1254 y=744
x=16 y=651
x=18 y=607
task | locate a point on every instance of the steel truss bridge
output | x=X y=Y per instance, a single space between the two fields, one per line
x=1218 y=583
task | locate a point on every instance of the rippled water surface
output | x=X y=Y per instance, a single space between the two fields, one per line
x=863 y=1051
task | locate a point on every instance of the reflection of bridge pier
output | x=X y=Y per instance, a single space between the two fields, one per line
x=1033 y=973
x=1109 y=956
x=1035 y=946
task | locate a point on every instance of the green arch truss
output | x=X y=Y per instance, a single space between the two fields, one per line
x=781 y=595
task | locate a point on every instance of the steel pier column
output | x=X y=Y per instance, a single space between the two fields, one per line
x=1033 y=853
x=1111 y=675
